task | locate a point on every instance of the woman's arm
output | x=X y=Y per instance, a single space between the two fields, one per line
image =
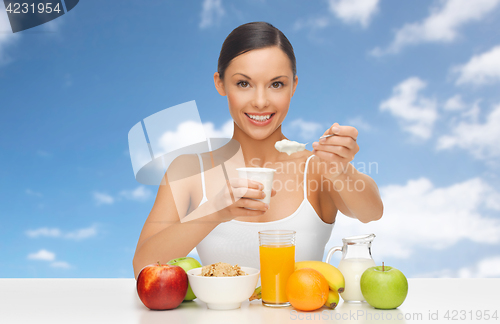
x=163 y=236
x=355 y=194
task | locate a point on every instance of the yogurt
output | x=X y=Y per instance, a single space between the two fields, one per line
x=289 y=147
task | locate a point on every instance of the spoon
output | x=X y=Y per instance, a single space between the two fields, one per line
x=326 y=136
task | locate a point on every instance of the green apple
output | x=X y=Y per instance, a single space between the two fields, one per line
x=186 y=263
x=384 y=287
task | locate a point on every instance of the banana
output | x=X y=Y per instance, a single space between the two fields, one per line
x=333 y=299
x=333 y=275
x=257 y=294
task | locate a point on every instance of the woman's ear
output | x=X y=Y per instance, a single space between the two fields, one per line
x=219 y=85
x=295 y=84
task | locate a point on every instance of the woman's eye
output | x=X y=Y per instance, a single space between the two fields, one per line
x=277 y=84
x=243 y=84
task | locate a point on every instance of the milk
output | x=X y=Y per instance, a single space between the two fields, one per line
x=352 y=269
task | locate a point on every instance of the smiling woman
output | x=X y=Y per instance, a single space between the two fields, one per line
x=259 y=86
x=257 y=74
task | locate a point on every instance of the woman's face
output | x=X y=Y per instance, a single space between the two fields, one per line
x=259 y=85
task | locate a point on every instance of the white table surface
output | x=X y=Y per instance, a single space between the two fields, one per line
x=115 y=301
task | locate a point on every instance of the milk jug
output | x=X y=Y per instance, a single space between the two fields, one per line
x=356 y=258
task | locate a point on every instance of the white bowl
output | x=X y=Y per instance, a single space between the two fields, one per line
x=223 y=292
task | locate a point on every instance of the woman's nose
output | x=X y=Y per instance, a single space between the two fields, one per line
x=260 y=99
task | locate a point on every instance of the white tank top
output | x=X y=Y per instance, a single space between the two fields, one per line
x=237 y=242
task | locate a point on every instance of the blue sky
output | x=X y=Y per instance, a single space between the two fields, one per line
x=419 y=79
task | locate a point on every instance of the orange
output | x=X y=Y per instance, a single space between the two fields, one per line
x=307 y=289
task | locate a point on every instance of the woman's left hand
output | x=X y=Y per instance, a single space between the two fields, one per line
x=337 y=151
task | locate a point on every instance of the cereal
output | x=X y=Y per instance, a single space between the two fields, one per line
x=221 y=269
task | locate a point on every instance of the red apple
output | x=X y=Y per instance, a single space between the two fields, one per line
x=162 y=286
x=186 y=263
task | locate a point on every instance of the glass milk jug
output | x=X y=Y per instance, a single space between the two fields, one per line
x=356 y=258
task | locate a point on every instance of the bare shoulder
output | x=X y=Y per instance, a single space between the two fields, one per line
x=183 y=167
x=179 y=180
x=174 y=193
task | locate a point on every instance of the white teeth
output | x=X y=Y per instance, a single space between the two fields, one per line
x=259 y=118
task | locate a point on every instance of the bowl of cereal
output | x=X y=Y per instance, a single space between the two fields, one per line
x=222 y=286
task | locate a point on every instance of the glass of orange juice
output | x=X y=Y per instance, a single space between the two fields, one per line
x=277 y=263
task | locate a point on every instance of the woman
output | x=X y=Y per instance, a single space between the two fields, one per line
x=257 y=73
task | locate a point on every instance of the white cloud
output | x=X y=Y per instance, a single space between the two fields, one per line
x=61 y=264
x=6 y=36
x=441 y=26
x=349 y=11
x=78 y=234
x=140 y=193
x=360 y=123
x=211 y=13
x=486 y=268
x=307 y=130
x=480 y=139
x=103 y=198
x=33 y=193
x=481 y=69
x=312 y=23
x=190 y=132
x=44 y=231
x=419 y=215
x=354 y=11
x=43 y=255
x=454 y=103
x=472 y=114
x=226 y=131
x=415 y=113
x=53 y=26
x=81 y=234
x=187 y=133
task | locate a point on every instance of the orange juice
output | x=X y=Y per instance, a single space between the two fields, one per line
x=277 y=263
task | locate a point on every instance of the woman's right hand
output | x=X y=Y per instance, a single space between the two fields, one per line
x=241 y=200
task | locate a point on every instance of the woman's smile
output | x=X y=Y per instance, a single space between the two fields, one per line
x=260 y=119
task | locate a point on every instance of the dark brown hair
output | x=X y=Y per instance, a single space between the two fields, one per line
x=250 y=36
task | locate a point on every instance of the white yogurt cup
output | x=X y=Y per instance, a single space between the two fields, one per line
x=262 y=175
